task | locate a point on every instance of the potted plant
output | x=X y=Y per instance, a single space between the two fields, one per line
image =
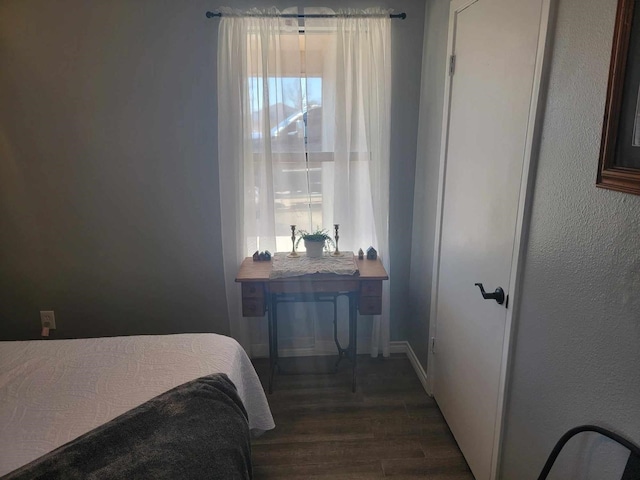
x=315 y=242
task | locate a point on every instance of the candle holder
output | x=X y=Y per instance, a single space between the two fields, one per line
x=293 y=253
x=336 y=253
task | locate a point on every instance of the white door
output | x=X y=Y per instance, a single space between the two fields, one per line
x=489 y=111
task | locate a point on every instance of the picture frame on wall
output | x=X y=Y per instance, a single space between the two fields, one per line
x=619 y=164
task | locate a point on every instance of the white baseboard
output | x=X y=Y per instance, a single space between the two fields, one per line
x=398 y=347
x=405 y=347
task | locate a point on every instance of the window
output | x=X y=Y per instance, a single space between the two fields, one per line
x=297 y=187
x=303 y=136
x=291 y=128
x=314 y=104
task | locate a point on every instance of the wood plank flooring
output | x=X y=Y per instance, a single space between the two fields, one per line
x=389 y=428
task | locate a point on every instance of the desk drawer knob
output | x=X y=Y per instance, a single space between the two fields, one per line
x=371 y=288
x=253 y=308
x=252 y=290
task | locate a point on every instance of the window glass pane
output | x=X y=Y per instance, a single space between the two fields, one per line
x=280 y=124
x=292 y=140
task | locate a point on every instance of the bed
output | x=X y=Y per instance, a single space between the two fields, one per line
x=54 y=391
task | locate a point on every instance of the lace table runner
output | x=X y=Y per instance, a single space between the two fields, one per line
x=284 y=266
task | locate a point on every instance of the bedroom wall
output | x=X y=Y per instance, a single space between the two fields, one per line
x=108 y=197
x=109 y=210
x=426 y=183
x=576 y=346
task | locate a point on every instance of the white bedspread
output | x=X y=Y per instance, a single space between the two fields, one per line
x=52 y=391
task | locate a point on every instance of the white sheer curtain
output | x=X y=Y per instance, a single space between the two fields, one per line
x=256 y=54
x=272 y=80
x=356 y=79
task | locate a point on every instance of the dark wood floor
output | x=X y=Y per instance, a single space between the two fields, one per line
x=388 y=428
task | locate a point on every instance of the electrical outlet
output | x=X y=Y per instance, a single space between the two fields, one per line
x=48 y=319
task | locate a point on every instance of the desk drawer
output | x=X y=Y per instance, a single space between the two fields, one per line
x=371 y=288
x=253 y=290
x=370 y=305
x=253 y=307
x=253 y=299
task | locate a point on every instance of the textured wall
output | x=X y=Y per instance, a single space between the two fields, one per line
x=109 y=209
x=577 y=355
x=427 y=167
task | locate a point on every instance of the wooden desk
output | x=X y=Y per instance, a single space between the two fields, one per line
x=262 y=294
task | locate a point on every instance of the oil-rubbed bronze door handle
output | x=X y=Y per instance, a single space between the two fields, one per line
x=497 y=295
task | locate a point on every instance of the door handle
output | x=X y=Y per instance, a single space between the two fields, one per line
x=497 y=295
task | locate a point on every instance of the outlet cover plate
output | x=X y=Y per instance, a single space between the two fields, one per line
x=47 y=316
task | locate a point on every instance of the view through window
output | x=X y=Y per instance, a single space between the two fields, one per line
x=307 y=131
x=294 y=114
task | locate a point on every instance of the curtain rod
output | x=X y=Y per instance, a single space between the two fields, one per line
x=402 y=15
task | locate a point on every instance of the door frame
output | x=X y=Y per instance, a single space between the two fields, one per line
x=532 y=141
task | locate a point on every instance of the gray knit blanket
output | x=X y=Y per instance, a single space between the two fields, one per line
x=198 y=430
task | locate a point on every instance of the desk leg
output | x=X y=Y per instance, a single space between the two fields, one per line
x=273 y=344
x=274 y=302
x=353 y=337
x=341 y=351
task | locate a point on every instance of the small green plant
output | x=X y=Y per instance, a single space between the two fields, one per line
x=319 y=235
